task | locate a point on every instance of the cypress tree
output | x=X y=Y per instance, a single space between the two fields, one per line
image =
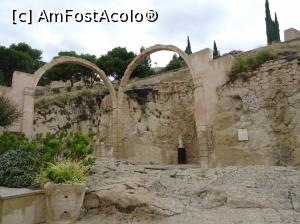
x=188 y=48
x=269 y=23
x=276 y=28
x=272 y=27
x=216 y=52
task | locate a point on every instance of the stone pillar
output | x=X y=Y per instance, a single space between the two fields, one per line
x=117 y=126
x=199 y=65
x=201 y=126
x=28 y=111
x=116 y=134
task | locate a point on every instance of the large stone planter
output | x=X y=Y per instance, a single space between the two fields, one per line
x=63 y=202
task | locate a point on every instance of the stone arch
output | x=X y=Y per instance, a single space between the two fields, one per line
x=73 y=60
x=199 y=114
x=28 y=111
x=159 y=47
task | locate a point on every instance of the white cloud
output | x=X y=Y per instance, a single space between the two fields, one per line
x=234 y=24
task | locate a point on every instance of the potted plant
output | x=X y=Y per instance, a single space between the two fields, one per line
x=64 y=185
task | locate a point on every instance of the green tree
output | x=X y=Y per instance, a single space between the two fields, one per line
x=175 y=63
x=216 y=52
x=88 y=76
x=269 y=23
x=272 y=27
x=276 y=28
x=71 y=72
x=115 y=62
x=35 y=54
x=188 y=48
x=19 y=57
x=144 y=68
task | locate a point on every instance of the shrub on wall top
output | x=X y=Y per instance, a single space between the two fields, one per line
x=249 y=62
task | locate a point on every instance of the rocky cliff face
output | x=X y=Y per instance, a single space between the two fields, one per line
x=86 y=110
x=266 y=104
x=158 y=113
x=157 y=118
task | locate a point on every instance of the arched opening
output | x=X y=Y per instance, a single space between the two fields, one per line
x=138 y=59
x=28 y=113
x=123 y=87
x=73 y=60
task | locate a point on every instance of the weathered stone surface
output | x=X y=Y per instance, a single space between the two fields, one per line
x=129 y=198
x=189 y=194
x=153 y=118
x=267 y=105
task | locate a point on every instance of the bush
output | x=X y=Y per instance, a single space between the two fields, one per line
x=74 y=146
x=16 y=169
x=48 y=148
x=21 y=156
x=175 y=63
x=10 y=141
x=9 y=112
x=250 y=62
x=77 y=147
x=63 y=172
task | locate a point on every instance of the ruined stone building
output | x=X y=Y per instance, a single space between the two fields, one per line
x=221 y=121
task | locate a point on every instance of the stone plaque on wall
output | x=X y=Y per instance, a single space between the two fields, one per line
x=103 y=150
x=243 y=134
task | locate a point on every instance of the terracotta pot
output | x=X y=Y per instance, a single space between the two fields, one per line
x=63 y=202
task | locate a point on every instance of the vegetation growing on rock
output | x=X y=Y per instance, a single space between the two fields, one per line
x=249 y=62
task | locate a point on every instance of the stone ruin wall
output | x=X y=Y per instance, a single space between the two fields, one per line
x=265 y=106
x=159 y=111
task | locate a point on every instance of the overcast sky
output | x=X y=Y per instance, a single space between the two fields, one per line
x=234 y=24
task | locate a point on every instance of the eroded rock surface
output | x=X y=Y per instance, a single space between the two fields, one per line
x=123 y=192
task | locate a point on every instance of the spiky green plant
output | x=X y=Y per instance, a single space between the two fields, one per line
x=63 y=172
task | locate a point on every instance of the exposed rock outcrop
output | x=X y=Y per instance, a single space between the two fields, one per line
x=123 y=192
